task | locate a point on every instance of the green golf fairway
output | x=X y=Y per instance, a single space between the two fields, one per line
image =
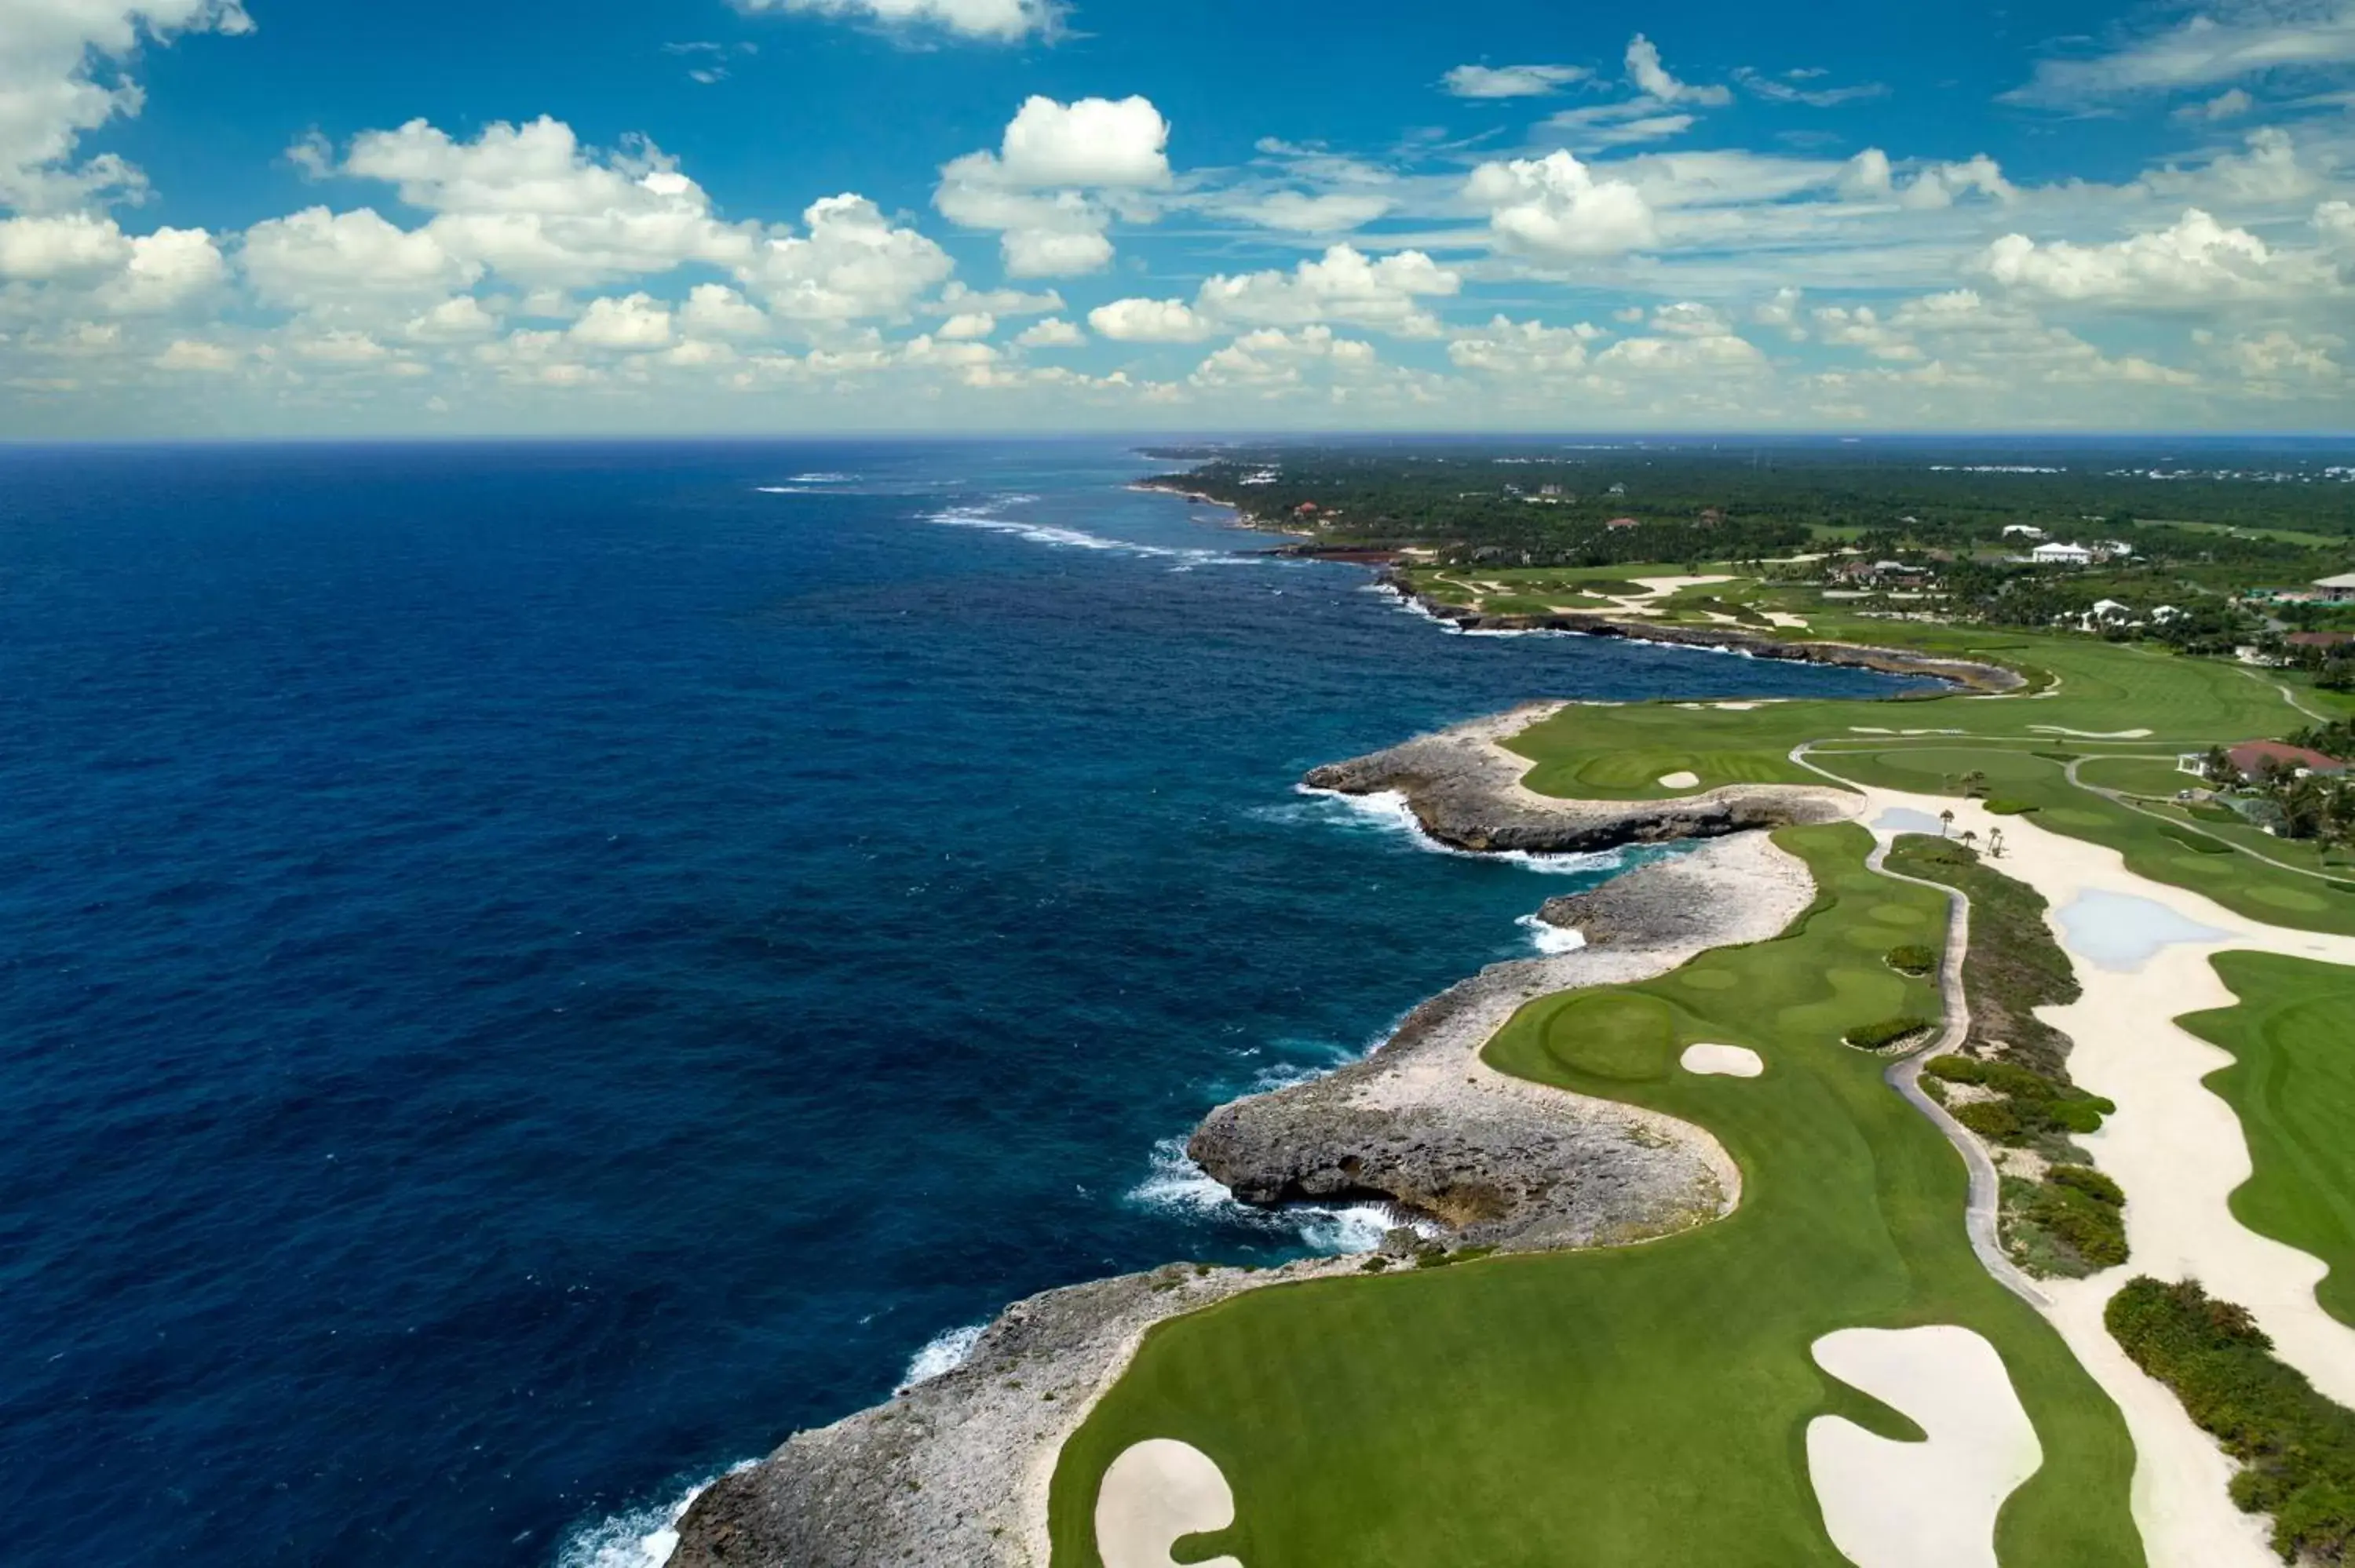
x=1647 y=1403
x=2292 y=1086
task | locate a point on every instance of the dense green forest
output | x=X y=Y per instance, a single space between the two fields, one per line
x=1554 y=505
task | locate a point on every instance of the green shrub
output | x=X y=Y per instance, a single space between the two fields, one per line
x=2012 y=808
x=1914 y=959
x=2083 y=1210
x=2192 y=839
x=2088 y=1180
x=1996 y=1120
x=2077 y=1116
x=2299 y=1447
x=1888 y=1031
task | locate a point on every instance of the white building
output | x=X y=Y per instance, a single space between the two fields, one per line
x=2022 y=531
x=2339 y=590
x=2062 y=555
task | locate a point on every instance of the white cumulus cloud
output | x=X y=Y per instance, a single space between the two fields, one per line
x=51 y=91
x=1552 y=209
x=636 y=322
x=1148 y=321
x=531 y=203
x=315 y=256
x=852 y=263
x=1052 y=333
x=2197 y=257
x=1059 y=175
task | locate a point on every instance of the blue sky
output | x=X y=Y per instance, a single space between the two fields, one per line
x=286 y=219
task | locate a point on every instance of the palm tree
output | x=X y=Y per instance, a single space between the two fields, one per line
x=1995 y=843
x=1970 y=839
x=1946 y=821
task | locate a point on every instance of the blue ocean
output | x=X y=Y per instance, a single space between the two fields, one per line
x=529 y=973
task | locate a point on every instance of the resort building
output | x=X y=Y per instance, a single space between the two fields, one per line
x=2258 y=757
x=2062 y=555
x=2339 y=590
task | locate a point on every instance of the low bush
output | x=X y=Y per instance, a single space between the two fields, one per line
x=1995 y=1120
x=2088 y=1180
x=2298 y=1447
x=2192 y=839
x=2032 y=1103
x=2084 y=1211
x=1914 y=959
x=2012 y=808
x=1886 y=1032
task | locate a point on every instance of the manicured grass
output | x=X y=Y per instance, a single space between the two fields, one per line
x=2166 y=847
x=2138 y=776
x=2293 y=1085
x=1645 y=1403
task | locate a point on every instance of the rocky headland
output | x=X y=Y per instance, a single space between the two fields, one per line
x=954 y=1473
x=1465 y=788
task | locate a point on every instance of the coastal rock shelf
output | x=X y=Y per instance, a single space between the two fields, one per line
x=1466 y=790
x=1424 y=1123
x=953 y=1472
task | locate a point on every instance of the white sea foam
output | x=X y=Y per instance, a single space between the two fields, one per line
x=637 y=1538
x=988 y=519
x=823 y=477
x=1387 y=810
x=1549 y=938
x=1180 y=1187
x=944 y=1353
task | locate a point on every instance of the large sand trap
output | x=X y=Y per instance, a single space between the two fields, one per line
x=2092 y=734
x=1679 y=781
x=2179 y=1151
x=1156 y=1494
x=1662 y=586
x=1722 y=1061
x=1920 y=1505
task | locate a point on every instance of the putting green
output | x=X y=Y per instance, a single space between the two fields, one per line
x=1642 y=1403
x=2293 y=1085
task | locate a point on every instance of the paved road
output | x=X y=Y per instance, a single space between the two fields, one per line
x=1905 y=1077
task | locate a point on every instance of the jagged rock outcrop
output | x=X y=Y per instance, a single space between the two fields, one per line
x=954 y=1473
x=1465 y=790
x=1426 y=1124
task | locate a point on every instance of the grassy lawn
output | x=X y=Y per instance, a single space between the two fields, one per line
x=1645 y=1403
x=2170 y=847
x=2292 y=1086
x=2155 y=778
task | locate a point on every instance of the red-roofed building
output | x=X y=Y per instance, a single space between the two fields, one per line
x=2258 y=757
x=2320 y=638
x=1623 y=522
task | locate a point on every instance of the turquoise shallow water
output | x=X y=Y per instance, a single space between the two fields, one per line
x=532 y=973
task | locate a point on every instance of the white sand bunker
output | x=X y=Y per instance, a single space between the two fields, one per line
x=2092 y=734
x=1920 y=1505
x=2120 y=932
x=1722 y=1061
x=1156 y=1494
x=1679 y=780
